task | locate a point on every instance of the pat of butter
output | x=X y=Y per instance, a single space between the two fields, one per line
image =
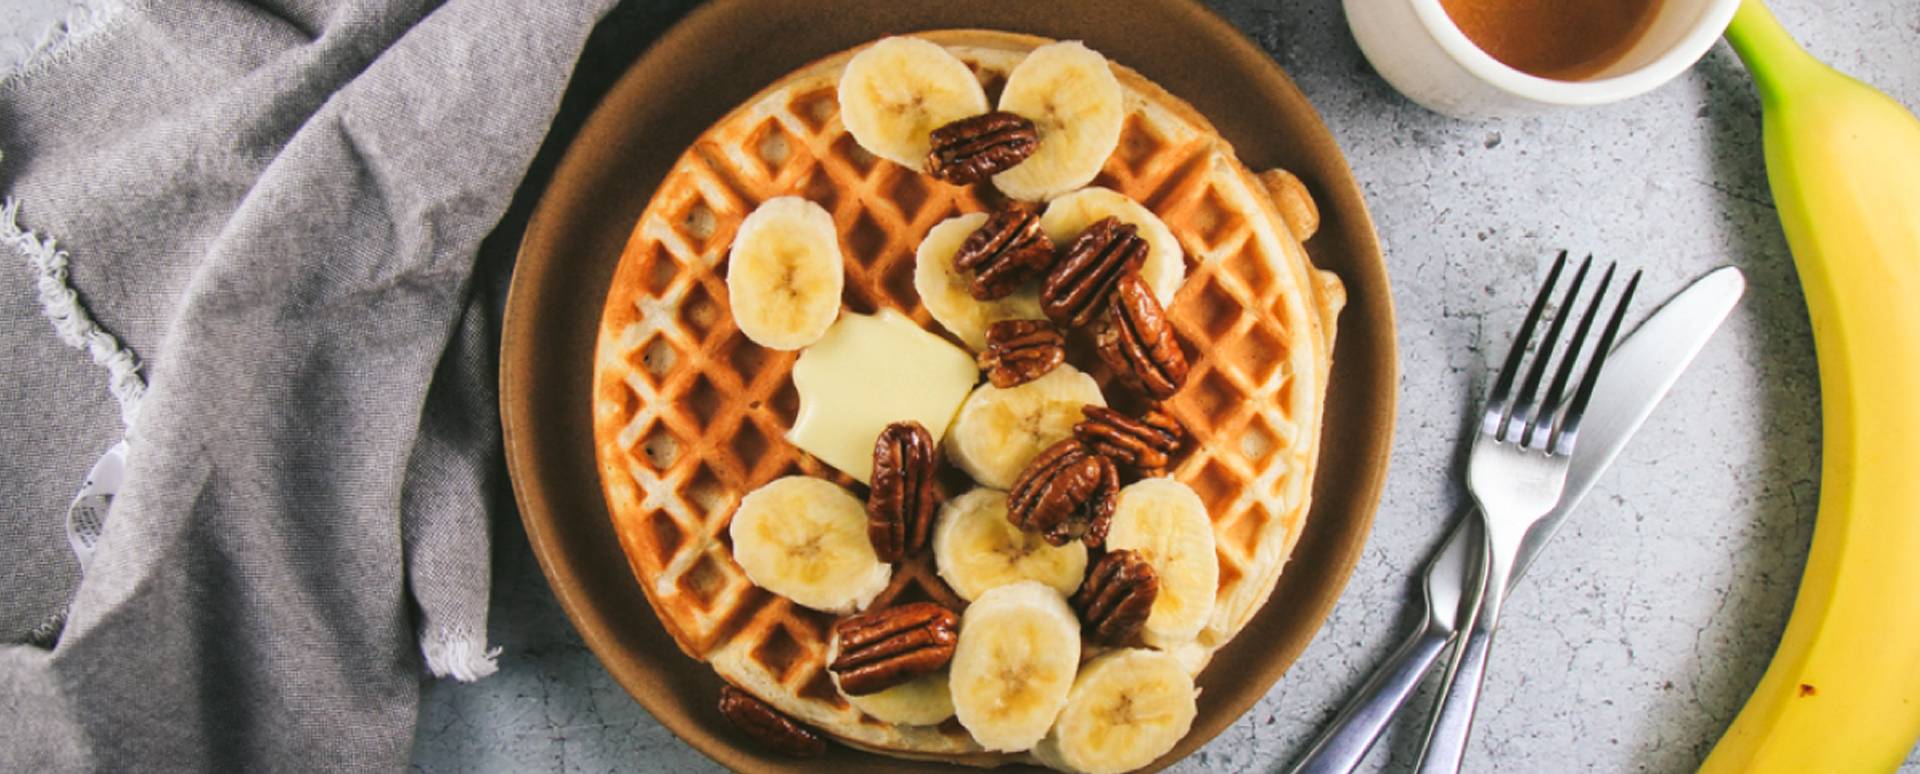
x=870 y=372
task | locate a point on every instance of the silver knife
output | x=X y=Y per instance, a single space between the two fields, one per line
x=1638 y=374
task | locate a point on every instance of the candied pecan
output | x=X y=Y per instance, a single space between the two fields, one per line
x=973 y=149
x=1116 y=598
x=1079 y=283
x=1007 y=250
x=1145 y=444
x=768 y=726
x=900 y=509
x=884 y=649
x=1064 y=494
x=1020 y=351
x=1138 y=342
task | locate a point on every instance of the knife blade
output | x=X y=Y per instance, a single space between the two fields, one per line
x=1639 y=372
x=1643 y=367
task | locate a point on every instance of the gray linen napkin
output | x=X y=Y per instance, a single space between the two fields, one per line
x=258 y=223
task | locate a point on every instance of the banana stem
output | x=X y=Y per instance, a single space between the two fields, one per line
x=1776 y=62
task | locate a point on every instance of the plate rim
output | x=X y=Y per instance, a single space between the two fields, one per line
x=523 y=384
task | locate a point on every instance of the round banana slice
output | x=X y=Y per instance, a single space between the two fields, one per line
x=998 y=431
x=785 y=273
x=922 y=701
x=1167 y=523
x=897 y=91
x=977 y=549
x=1018 y=652
x=1127 y=708
x=943 y=288
x=806 y=539
x=1165 y=268
x=1070 y=94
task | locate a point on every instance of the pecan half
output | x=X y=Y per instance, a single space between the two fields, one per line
x=884 y=649
x=1145 y=444
x=1066 y=493
x=900 y=509
x=1020 y=351
x=1078 y=284
x=1138 y=342
x=767 y=726
x=1007 y=250
x=973 y=149
x=1116 y=598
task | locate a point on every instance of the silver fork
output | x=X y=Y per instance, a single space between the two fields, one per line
x=1516 y=471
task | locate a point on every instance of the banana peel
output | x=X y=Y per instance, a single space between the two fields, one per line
x=1842 y=693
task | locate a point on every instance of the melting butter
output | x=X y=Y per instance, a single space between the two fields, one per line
x=868 y=372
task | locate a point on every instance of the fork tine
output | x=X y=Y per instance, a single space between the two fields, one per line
x=1524 y=419
x=1557 y=391
x=1496 y=414
x=1563 y=436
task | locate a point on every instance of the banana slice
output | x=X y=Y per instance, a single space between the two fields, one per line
x=998 y=431
x=1165 y=268
x=1019 y=649
x=977 y=549
x=943 y=288
x=899 y=90
x=806 y=539
x=1069 y=93
x=922 y=701
x=785 y=273
x=1167 y=523
x=1127 y=708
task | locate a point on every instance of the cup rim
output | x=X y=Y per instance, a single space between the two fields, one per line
x=1669 y=65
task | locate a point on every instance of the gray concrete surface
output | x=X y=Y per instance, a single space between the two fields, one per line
x=1639 y=633
x=26 y=24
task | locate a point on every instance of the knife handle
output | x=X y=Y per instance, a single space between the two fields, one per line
x=1340 y=748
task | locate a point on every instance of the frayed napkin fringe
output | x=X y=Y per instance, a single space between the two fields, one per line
x=62 y=306
x=57 y=41
x=458 y=653
x=47 y=634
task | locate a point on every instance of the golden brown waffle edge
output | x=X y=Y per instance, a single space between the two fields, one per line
x=689 y=415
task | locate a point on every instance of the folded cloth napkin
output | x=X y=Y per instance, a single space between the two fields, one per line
x=258 y=222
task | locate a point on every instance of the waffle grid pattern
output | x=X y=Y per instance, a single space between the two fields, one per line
x=689 y=415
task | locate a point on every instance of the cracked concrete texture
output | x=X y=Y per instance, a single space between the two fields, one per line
x=1637 y=636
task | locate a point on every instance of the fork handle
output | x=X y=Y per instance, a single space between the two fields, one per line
x=1344 y=744
x=1459 y=693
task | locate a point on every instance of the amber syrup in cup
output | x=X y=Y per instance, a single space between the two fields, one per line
x=1564 y=40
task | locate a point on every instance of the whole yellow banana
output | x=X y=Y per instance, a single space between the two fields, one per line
x=1843 y=691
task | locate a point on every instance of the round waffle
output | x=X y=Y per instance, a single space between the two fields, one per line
x=689 y=415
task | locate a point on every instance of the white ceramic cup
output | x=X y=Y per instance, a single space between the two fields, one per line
x=1418 y=49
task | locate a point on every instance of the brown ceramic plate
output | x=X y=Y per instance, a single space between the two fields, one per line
x=723 y=53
